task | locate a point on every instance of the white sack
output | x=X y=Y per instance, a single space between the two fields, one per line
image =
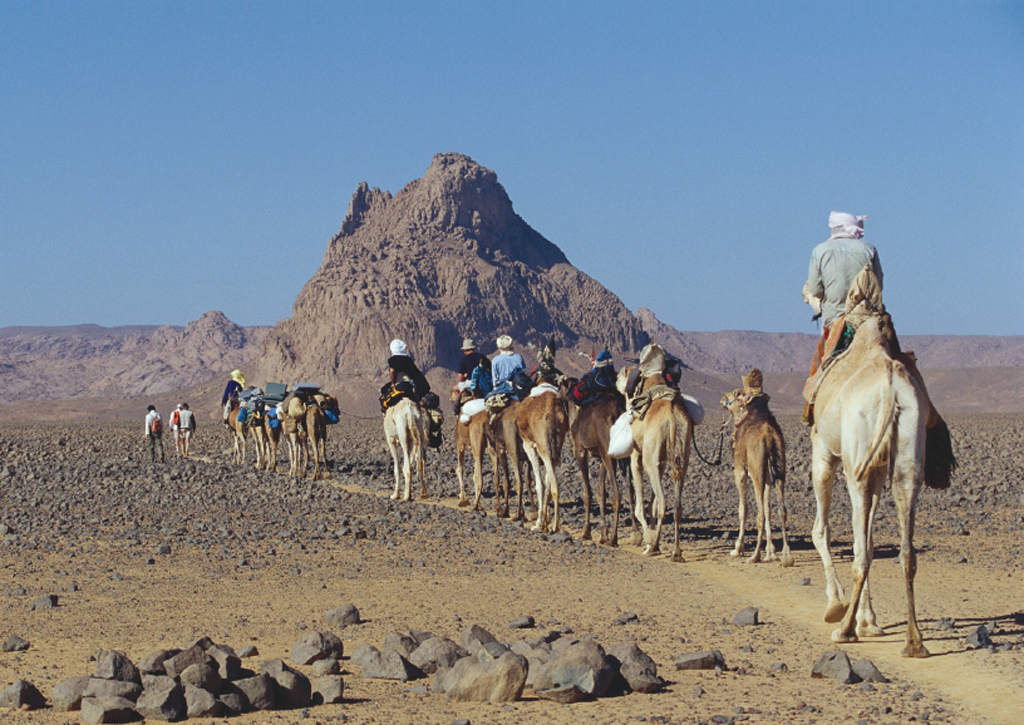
x=620 y=444
x=470 y=409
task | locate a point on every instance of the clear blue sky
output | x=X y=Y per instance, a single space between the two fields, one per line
x=162 y=159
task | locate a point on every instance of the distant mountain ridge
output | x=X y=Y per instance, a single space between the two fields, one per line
x=40 y=363
x=445 y=258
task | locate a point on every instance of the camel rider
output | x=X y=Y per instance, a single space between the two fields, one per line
x=600 y=380
x=834 y=265
x=504 y=365
x=471 y=359
x=403 y=372
x=231 y=391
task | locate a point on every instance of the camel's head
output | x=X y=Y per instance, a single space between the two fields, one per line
x=735 y=403
x=327 y=402
x=453 y=397
x=622 y=378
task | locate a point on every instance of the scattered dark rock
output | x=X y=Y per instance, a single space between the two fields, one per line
x=343 y=616
x=700 y=661
x=746 y=617
x=22 y=694
x=836 y=666
x=14 y=643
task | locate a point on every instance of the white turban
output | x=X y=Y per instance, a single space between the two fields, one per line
x=504 y=344
x=852 y=225
x=398 y=348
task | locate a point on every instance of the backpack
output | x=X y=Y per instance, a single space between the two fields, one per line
x=481 y=380
x=522 y=383
x=176 y=418
x=156 y=426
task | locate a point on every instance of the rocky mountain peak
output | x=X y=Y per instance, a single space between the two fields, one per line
x=446 y=257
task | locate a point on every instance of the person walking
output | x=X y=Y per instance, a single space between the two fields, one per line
x=154 y=432
x=187 y=428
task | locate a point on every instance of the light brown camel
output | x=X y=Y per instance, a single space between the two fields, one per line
x=316 y=429
x=543 y=423
x=304 y=427
x=470 y=437
x=267 y=436
x=239 y=431
x=258 y=427
x=869 y=415
x=591 y=432
x=296 y=434
x=661 y=438
x=506 y=450
x=759 y=453
x=405 y=427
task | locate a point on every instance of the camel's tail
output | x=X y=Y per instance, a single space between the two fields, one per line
x=939 y=461
x=884 y=430
x=775 y=467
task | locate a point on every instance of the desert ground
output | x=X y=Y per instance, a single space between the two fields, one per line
x=144 y=557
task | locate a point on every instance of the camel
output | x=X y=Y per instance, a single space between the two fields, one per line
x=662 y=437
x=267 y=437
x=542 y=419
x=239 y=431
x=590 y=430
x=759 y=453
x=870 y=415
x=405 y=426
x=295 y=434
x=304 y=427
x=471 y=437
x=506 y=451
x=258 y=426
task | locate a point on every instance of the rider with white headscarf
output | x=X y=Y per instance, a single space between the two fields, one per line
x=835 y=263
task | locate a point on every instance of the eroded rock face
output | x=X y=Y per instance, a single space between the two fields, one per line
x=445 y=258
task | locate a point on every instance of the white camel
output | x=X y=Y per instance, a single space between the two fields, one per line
x=405 y=427
x=869 y=415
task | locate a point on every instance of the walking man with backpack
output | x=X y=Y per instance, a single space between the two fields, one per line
x=176 y=428
x=187 y=428
x=154 y=433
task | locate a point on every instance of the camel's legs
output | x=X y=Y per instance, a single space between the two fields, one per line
x=542 y=495
x=583 y=461
x=905 y=491
x=608 y=475
x=740 y=476
x=863 y=505
x=552 y=486
x=393 y=447
x=780 y=491
x=460 y=456
x=652 y=464
x=823 y=472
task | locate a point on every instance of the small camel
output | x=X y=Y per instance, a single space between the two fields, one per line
x=296 y=435
x=591 y=431
x=759 y=453
x=405 y=427
x=470 y=437
x=869 y=415
x=662 y=437
x=267 y=437
x=506 y=451
x=543 y=423
x=239 y=431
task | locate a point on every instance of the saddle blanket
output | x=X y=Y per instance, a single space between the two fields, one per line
x=543 y=388
x=470 y=409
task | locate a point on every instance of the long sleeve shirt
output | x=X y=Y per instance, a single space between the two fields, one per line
x=834 y=265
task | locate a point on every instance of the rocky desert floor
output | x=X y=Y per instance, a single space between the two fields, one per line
x=144 y=557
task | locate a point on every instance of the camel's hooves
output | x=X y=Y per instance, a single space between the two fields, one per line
x=915 y=650
x=424 y=496
x=635 y=538
x=587 y=536
x=463 y=502
x=754 y=558
x=869 y=630
x=393 y=497
x=736 y=552
x=517 y=517
x=787 y=560
x=677 y=558
x=650 y=550
x=840 y=637
x=835 y=612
